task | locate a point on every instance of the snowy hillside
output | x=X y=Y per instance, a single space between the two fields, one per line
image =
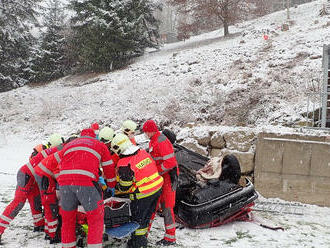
x=239 y=80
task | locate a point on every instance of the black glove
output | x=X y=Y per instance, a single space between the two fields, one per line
x=44 y=183
x=174 y=178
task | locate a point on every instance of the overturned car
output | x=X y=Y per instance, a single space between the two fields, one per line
x=211 y=202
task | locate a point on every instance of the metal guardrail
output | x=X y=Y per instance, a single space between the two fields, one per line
x=313 y=104
x=318 y=101
x=279 y=207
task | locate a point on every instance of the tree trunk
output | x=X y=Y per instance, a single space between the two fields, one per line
x=225 y=19
x=225 y=28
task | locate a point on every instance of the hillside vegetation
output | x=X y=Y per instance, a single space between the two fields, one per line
x=242 y=80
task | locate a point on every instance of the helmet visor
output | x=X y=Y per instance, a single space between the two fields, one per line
x=105 y=141
x=128 y=131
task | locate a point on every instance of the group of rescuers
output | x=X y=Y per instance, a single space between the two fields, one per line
x=76 y=167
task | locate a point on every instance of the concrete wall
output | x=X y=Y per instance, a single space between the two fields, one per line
x=293 y=168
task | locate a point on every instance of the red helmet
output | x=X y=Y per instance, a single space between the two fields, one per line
x=88 y=132
x=95 y=126
x=150 y=126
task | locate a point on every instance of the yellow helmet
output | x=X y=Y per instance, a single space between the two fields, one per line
x=120 y=143
x=55 y=140
x=106 y=134
x=128 y=126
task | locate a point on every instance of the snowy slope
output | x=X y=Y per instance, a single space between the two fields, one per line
x=239 y=80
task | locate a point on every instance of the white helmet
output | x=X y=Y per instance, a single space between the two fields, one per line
x=120 y=143
x=55 y=140
x=106 y=134
x=128 y=126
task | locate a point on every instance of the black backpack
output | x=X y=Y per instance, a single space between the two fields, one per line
x=170 y=135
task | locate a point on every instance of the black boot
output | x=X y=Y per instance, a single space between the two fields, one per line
x=47 y=236
x=80 y=242
x=105 y=237
x=137 y=242
x=164 y=242
x=0 y=238
x=38 y=228
x=55 y=240
x=130 y=243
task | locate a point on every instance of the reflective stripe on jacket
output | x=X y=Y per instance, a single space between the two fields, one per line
x=145 y=179
x=81 y=160
x=161 y=150
x=30 y=166
x=49 y=166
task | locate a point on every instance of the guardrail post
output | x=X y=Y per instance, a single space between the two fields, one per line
x=326 y=82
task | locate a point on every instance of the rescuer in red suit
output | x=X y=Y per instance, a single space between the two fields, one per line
x=161 y=150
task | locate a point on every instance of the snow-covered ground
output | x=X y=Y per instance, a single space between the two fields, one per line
x=307 y=226
x=239 y=80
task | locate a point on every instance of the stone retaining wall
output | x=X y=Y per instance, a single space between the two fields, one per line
x=218 y=142
x=294 y=167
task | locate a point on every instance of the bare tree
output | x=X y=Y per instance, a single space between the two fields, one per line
x=205 y=13
x=260 y=7
x=325 y=10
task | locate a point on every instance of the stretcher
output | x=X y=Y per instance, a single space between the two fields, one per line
x=117 y=221
x=117 y=218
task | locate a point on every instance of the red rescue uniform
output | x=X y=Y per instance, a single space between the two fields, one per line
x=47 y=171
x=78 y=183
x=161 y=150
x=132 y=139
x=26 y=189
x=114 y=156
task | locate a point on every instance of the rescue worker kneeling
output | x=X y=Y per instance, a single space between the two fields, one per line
x=138 y=176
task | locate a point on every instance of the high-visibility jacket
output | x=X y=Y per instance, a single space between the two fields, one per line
x=161 y=150
x=29 y=167
x=138 y=174
x=81 y=159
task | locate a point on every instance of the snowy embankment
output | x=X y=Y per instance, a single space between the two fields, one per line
x=239 y=80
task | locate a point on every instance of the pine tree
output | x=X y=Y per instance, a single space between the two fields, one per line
x=108 y=33
x=17 y=18
x=50 y=62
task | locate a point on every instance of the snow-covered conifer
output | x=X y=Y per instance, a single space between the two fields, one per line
x=17 y=19
x=50 y=62
x=109 y=33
